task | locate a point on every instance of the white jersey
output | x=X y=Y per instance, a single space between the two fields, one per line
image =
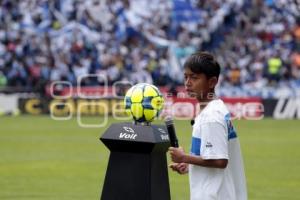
x=215 y=138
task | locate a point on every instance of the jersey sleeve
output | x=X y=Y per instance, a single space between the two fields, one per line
x=214 y=144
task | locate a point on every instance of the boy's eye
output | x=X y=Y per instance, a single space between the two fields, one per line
x=193 y=77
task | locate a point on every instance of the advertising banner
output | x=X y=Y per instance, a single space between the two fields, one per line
x=180 y=108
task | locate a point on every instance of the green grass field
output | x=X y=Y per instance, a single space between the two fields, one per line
x=45 y=159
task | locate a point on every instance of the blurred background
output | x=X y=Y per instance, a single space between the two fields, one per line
x=63 y=59
x=256 y=42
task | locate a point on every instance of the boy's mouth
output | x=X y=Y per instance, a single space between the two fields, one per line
x=188 y=90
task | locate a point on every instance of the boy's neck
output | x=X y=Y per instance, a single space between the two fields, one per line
x=205 y=100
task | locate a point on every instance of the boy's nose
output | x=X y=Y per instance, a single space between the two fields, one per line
x=187 y=82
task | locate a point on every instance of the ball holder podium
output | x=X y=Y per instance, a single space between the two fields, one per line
x=137 y=167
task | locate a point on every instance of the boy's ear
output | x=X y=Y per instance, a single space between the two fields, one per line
x=212 y=82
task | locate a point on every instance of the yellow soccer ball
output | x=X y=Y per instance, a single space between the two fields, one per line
x=143 y=102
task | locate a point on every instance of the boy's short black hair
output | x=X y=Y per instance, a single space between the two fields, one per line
x=203 y=62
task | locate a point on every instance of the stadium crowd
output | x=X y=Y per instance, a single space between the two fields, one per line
x=257 y=42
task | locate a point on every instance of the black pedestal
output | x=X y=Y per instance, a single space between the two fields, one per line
x=137 y=167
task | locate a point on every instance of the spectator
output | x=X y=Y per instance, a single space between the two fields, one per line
x=3 y=80
x=274 y=66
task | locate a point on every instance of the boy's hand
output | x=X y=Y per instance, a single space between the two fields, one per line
x=180 y=168
x=177 y=154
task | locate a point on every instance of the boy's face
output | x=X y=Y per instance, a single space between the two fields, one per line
x=197 y=85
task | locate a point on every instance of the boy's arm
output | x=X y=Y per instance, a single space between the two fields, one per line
x=197 y=160
x=179 y=156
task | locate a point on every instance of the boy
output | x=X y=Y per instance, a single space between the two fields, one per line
x=215 y=164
